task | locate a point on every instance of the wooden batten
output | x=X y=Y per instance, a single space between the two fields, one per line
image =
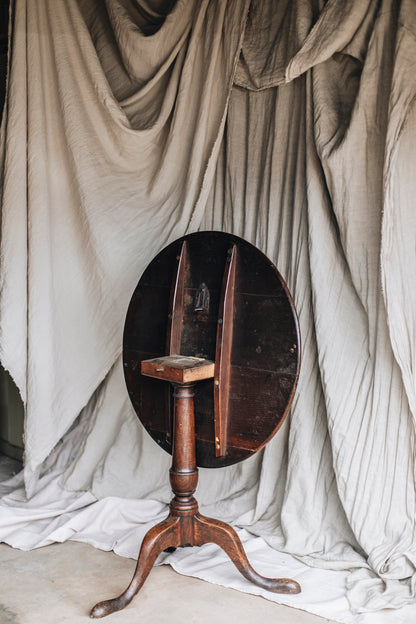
x=176 y=307
x=223 y=353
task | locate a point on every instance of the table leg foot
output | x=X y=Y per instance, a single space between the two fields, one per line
x=210 y=530
x=164 y=535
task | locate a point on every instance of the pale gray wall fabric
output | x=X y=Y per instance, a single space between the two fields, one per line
x=303 y=145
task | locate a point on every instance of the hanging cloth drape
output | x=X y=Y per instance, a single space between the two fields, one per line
x=116 y=161
x=292 y=127
x=340 y=126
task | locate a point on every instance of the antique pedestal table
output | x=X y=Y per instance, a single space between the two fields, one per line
x=212 y=319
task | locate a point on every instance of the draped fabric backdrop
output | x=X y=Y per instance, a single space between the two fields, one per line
x=129 y=123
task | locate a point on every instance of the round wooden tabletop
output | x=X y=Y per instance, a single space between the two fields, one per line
x=215 y=296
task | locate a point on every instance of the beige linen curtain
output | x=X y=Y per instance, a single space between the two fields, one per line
x=291 y=124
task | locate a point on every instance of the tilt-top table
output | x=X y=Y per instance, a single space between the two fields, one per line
x=212 y=316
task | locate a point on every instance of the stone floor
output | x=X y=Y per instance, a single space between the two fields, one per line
x=58 y=584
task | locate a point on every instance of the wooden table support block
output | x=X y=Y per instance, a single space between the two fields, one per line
x=178 y=368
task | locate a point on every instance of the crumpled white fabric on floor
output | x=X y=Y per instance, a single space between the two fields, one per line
x=119 y=524
x=292 y=127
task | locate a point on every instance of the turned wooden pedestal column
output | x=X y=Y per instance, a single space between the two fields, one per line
x=185 y=526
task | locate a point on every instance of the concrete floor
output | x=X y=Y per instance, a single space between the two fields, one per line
x=58 y=584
